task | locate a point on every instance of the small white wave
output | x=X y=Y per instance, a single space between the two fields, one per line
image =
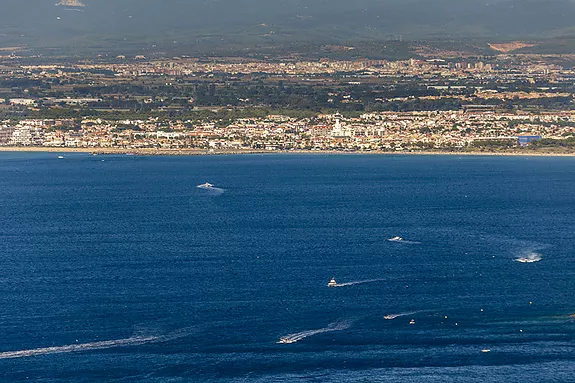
x=357 y=282
x=296 y=337
x=132 y=341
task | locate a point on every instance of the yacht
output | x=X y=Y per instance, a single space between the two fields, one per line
x=396 y=239
x=332 y=283
x=207 y=185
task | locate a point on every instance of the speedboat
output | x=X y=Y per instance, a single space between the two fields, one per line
x=207 y=185
x=396 y=239
x=286 y=340
x=60 y=157
x=332 y=283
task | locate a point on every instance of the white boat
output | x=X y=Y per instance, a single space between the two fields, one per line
x=207 y=185
x=486 y=350
x=60 y=157
x=332 y=283
x=396 y=239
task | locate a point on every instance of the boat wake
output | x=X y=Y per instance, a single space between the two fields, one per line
x=135 y=340
x=530 y=258
x=211 y=189
x=132 y=341
x=296 y=337
x=352 y=283
x=393 y=316
x=401 y=240
x=528 y=252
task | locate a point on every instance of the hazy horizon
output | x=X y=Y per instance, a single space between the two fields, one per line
x=107 y=23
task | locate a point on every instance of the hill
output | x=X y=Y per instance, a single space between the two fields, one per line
x=115 y=25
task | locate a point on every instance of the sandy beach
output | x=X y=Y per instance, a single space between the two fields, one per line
x=198 y=152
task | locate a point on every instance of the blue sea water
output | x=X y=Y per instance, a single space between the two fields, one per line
x=118 y=269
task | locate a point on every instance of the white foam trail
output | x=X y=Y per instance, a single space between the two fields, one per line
x=211 y=190
x=530 y=258
x=132 y=341
x=411 y=242
x=296 y=337
x=102 y=345
x=357 y=282
x=393 y=316
x=404 y=241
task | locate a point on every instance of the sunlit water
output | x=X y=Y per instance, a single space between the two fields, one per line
x=124 y=270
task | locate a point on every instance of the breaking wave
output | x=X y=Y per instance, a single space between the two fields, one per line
x=296 y=337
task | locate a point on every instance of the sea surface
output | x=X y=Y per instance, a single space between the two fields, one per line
x=118 y=268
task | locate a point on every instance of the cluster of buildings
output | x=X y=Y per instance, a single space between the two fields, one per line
x=501 y=65
x=387 y=131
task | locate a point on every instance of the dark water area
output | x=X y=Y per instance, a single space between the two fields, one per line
x=119 y=269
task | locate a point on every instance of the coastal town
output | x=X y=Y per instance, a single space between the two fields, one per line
x=388 y=131
x=502 y=102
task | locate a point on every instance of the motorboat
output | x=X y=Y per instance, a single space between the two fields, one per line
x=60 y=157
x=485 y=350
x=332 y=283
x=286 y=340
x=412 y=321
x=207 y=185
x=396 y=239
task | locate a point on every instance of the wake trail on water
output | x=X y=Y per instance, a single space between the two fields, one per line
x=397 y=315
x=132 y=341
x=352 y=283
x=100 y=345
x=296 y=337
x=213 y=190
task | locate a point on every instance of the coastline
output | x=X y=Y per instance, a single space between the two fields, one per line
x=204 y=152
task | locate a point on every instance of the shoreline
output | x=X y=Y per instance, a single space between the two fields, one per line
x=204 y=152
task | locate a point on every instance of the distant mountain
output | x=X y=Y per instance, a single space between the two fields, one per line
x=71 y=3
x=121 y=24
